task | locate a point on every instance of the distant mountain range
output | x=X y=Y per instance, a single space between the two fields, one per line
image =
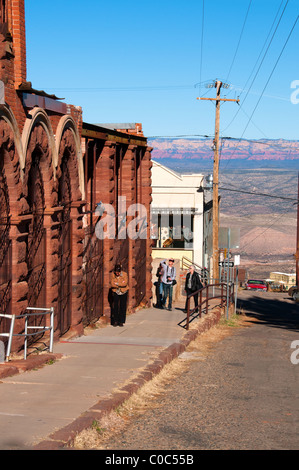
x=195 y=154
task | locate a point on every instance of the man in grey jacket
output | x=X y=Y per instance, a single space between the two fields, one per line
x=169 y=275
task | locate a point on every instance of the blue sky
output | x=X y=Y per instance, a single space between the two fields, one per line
x=142 y=62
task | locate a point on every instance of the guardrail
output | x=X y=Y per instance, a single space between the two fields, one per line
x=220 y=291
x=32 y=311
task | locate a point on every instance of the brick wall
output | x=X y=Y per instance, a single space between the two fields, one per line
x=44 y=138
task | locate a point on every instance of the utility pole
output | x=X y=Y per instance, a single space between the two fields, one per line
x=218 y=85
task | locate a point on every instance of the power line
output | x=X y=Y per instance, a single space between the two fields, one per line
x=268 y=228
x=123 y=88
x=264 y=56
x=241 y=34
x=265 y=42
x=273 y=69
x=206 y=136
x=259 y=194
x=202 y=32
x=257 y=62
x=178 y=136
x=270 y=76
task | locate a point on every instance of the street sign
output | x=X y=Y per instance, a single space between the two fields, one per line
x=232 y=234
x=226 y=264
x=237 y=260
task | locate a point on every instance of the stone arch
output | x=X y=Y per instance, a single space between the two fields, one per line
x=12 y=151
x=68 y=140
x=40 y=193
x=38 y=137
x=70 y=184
x=12 y=269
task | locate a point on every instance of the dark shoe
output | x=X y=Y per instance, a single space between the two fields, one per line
x=114 y=324
x=170 y=309
x=120 y=324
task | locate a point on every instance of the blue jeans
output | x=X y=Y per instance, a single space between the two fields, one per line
x=167 y=291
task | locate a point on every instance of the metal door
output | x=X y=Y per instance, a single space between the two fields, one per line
x=140 y=269
x=36 y=248
x=65 y=251
x=94 y=279
x=5 y=256
x=36 y=244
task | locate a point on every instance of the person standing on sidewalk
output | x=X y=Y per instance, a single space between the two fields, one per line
x=192 y=284
x=159 y=286
x=119 y=287
x=168 y=281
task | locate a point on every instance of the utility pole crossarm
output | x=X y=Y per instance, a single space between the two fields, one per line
x=218 y=99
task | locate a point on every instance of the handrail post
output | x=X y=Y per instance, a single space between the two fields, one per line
x=200 y=303
x=26 y=336
x=207 y=299
x=52 y=328
x=188 y=311
x=221 y=295
x=12 y=323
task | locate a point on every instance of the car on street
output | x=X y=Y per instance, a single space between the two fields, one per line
x=256 y=284
x=293 y=292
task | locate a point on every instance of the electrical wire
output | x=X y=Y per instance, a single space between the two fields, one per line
x=123 y=88
x=268 y=228
x=273 y=69
x=202 y=34
x=241 y=34
x=259 y=194
x=242 y=91
x=264 y=56
x=270 y=76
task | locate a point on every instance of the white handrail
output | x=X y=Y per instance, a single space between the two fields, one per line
x=34 y=311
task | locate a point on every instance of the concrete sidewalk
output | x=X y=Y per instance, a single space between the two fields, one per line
x=45 y=407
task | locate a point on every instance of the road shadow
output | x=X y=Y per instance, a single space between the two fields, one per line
x=275 y=310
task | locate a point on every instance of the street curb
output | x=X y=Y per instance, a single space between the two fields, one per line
x=16 y=366
x=64 y=437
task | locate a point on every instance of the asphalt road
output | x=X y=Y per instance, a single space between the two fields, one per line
x=243 y=395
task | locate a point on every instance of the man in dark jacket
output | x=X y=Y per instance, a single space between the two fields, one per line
x=192 y=284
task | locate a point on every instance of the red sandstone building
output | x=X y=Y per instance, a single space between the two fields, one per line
x=55 y=170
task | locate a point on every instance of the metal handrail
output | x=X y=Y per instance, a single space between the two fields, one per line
x=34 y=311
x=204 y=272
x=225 y=296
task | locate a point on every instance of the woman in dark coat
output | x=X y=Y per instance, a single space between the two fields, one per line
x=159 y=286
x=192 y=284
x=119 y=287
